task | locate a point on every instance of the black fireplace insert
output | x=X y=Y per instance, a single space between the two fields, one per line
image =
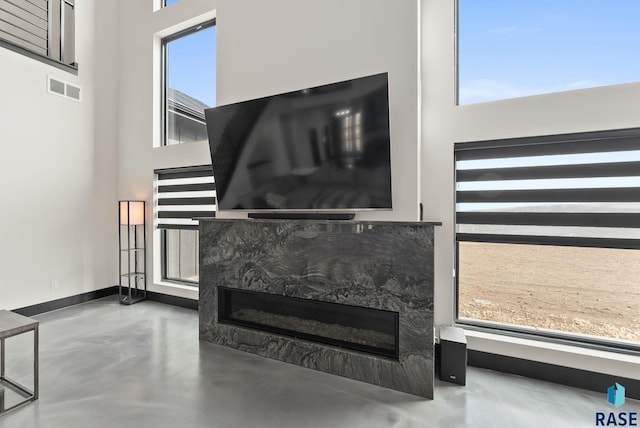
x=361 y=329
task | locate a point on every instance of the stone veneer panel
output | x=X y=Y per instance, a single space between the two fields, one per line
x=382 y=265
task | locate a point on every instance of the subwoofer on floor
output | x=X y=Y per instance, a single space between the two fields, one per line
x=453 y=355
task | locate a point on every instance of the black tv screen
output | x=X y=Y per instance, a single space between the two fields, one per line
x=320 y=148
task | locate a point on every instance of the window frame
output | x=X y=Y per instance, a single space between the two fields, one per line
x=565 y=338
x=164 y=72
x=164 y=261
x=199 y=202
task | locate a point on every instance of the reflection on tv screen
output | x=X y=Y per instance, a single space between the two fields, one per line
x=322 y=148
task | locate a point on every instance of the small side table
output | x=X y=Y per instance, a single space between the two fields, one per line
x=12 y=324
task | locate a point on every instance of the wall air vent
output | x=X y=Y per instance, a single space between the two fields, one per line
x=56 y=86
x=64 y=89
x=73 y=92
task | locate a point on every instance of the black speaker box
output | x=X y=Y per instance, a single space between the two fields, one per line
x=453 y=355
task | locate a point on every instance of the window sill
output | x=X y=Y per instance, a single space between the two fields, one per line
x=15 y=48
x=177 y=285
x=595 y=360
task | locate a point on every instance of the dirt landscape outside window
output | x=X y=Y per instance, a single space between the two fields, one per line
x=594 y=292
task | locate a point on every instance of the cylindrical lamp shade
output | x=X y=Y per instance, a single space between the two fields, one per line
x=131 y=212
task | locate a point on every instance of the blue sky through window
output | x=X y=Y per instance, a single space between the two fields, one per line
x=514 y=48
x=191 y=65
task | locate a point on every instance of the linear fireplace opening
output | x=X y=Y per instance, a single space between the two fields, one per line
x=373 y=331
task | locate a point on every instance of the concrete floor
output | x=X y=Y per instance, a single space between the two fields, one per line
x=107 y=365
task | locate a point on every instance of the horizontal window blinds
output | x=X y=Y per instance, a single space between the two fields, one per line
x=579 y=189
x=26 y=24
x=184 y=194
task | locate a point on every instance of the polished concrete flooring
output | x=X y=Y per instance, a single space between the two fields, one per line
x=107 y=365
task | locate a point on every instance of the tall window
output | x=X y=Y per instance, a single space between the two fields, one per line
x=509 y=49
x=42 y=29
x=548 y=236
x=183 y=194
x=189 y=83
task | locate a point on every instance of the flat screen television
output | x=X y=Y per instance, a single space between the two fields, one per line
x=324 y=148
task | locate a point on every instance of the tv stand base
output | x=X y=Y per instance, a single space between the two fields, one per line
x=302 y=216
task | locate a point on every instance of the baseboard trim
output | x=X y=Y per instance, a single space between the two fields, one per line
x=168 y=299
x=584 y=379
x=40 y=308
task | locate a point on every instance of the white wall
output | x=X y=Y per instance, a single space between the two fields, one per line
x=443 y=123
x=57 y=169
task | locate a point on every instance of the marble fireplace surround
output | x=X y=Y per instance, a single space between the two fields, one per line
x=380 y=265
